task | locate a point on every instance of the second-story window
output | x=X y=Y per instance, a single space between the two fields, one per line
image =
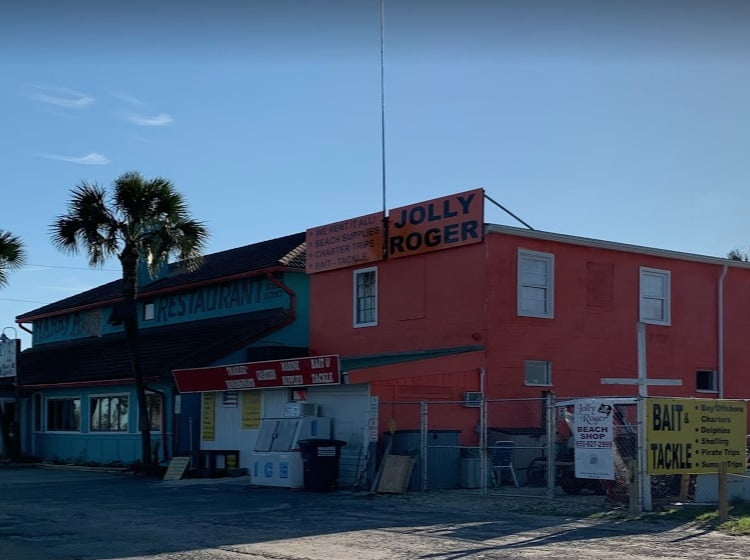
x=654 y=297
x=366 y=297
x=536 y=272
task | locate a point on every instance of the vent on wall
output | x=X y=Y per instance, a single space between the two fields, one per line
x=472 y=399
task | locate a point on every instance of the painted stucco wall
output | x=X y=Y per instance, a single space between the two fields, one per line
x=469 y=295
x=424 y=302
x=87 y=446
x=596 y=310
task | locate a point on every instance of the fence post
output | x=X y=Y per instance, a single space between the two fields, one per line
x=423 y=442
x=644 y=479
x=634 y=489
x=483 y=442
x=723 y=493
x=551 y=440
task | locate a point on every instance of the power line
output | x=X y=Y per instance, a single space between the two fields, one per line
x=73 y=268
x=23 y=300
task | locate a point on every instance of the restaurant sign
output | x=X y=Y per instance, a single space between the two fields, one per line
x=297 y=372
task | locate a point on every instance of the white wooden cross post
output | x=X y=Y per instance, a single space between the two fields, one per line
x=643 y=382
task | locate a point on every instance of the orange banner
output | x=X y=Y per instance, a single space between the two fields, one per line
x=349 y=243
x=436 y=224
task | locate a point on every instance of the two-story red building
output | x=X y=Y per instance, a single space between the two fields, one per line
x=442 y=306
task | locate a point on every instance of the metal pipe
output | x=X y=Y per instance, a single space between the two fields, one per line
x=720 y=332
x=482 y=434
x=423 y=442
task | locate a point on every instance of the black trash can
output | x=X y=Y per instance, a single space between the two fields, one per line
x=320 y=458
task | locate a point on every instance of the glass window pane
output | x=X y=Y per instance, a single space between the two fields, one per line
x=652 y=309
x=537 y=373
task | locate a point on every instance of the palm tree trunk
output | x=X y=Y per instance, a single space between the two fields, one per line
x=129 y=260
x=144 y=425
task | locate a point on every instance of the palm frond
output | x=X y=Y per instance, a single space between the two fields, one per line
x=88 y=226
x=12 y=255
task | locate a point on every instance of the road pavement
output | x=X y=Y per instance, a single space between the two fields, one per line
x=67 y=515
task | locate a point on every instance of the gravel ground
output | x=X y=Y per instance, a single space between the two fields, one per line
x=85 y=516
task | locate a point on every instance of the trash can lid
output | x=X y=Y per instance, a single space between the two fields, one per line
x=320 y=442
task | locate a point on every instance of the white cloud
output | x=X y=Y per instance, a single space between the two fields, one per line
x=161 y=119
x=126 y=98
x=92 y=158
x=62 y=97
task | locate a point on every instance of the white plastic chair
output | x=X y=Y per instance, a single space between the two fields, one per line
x=502 y=458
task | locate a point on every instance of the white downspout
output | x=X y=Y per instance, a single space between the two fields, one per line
x=720 y=333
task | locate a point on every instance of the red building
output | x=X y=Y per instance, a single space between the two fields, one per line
x=449 y=309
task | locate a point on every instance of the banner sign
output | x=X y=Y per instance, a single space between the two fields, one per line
x=297 y=372
x=593 y=435
x=208 y=417
x=437 y=224
x=441 y=223
x=8 y=356
x=349 y=243
x=688 y=436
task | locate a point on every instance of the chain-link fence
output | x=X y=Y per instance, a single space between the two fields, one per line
x=521 y=447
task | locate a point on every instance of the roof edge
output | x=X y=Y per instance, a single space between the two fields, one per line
x=145 y=295
x=613 y=245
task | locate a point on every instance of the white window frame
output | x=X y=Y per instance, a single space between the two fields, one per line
x=355 y=317
x=46 y=401
x=666 y=298
x=549 y=286
x=714 y=381
x=548 y=372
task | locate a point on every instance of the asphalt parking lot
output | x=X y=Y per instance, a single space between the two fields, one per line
x=66 y=515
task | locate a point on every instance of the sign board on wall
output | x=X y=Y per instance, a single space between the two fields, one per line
x=349 y=243
x=436 y=224
x=297 y=372
x=441 y=223
x=250 y=410
x=208 y=417
x=8 y=347
x=685 y=436
x=593 y=435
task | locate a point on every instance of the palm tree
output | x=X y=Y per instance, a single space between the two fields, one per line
x=144 y=220
x=12 y=255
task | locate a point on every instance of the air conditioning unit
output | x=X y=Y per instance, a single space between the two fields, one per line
x=472 y=399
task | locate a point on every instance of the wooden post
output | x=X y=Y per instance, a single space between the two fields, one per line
x=684 y=487
x=633 y=486
x=723 y=494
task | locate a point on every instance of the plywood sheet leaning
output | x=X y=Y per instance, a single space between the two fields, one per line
x=396 y=473
x=176 y=468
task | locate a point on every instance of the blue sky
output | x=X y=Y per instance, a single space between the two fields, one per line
x=625 y=121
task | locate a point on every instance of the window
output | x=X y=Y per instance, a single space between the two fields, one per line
x=535 y=284
x=705 y=380
x=366 y=297
x=537 y=372
x=149 y=311
x=655 y=296
x=64 y=415
x=153 y=405
x=109 y=414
